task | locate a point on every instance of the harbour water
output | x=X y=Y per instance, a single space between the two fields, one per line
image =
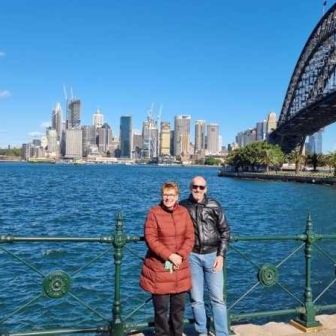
x=83 y=200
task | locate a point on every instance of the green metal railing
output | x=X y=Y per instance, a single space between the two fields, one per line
x=57 y=284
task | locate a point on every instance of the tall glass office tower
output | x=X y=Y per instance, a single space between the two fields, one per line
x=126 y=136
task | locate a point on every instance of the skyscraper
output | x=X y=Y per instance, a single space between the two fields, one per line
x=150 y=136
x=52 y=141
x=73 y=143
x=56 y=120
x=88 y=139
x=212 y=138
x=172 y=139
x=97 y=119
x=199 y=136
x=315 y=142
x=137 y=144
x=104 y=138
x=125 y=136
x=73 y=114
x=261 y=130
x=165 y=138
x=182 y=135
x=271 y=123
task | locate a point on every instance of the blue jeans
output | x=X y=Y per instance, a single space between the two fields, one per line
x=202 y=274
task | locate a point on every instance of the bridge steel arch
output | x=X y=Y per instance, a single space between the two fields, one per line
x=310 y=101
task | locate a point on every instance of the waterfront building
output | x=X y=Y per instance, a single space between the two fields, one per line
x=271 y=123
x=44 y=141
x=98 y=119
x=125 y=136
x=114 y=147
x=73 y=114
x=182 y=135
x=150 y=136
x=36 y=142
x=220 y=143
x=85 y=141
x=212 y=139
x=246 y=137
x=199 y=137
x=104 y=138
x=52 y=144
x=73 y=143
x=165 y=139
x=314 y=145
x=137 y=144
x=172 y=138
x=56 y=120
x=26 y=151
x=261 y=129
x=89 y=140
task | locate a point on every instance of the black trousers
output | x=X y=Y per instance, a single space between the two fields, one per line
x=168 y=314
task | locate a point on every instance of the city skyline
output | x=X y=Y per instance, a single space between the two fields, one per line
x=226 y=63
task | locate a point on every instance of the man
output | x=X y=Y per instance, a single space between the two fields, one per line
x=207 y=258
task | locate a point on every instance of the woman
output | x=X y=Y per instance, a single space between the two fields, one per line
x=169 y=235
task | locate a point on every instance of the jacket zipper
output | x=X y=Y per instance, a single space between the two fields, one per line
x=175 y=250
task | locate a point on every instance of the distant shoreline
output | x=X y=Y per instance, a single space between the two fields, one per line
x=110 y=164
x=302 y=177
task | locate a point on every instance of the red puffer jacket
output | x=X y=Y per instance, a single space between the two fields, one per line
x=167 y=232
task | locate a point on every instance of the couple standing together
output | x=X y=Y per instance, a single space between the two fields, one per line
x=187 y=242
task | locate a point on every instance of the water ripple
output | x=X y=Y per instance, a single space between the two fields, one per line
x=83 y=201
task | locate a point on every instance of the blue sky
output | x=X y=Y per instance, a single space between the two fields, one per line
x=218 y=60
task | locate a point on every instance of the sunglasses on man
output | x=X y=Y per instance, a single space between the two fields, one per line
x=201 y=187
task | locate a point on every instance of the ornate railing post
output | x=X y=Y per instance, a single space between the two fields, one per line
x=307 y=318
x=119 y=241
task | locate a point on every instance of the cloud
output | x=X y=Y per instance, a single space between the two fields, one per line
x=4 y=94
x=2 y=54
x=45 y=124
x=35 y=134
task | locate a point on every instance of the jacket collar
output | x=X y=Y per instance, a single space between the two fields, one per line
x=204 y=201
x=166 y=209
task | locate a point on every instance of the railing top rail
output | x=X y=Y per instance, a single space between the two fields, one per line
x=110 y=239
x=235 y=238
x=102 y=239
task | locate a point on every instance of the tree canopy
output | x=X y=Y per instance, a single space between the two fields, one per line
x=256 y=156
x=10 y=151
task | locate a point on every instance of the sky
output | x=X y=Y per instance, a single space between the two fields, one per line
x=223 y=61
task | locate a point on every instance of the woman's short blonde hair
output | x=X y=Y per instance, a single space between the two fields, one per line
x=170 y=185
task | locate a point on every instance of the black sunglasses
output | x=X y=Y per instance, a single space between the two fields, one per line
x=198 y=186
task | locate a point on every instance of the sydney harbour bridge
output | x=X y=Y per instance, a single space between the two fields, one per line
x=310 y=101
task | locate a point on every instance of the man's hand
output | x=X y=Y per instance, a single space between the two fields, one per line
x=176 y=260
x=218 y=264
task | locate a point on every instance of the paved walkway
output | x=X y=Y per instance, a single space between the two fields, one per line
x=328 y=328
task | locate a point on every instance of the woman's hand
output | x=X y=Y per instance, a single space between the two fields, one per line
x=176 y=260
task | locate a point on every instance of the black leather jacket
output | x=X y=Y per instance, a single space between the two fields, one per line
x=212 y=231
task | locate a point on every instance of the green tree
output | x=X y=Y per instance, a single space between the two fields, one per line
x=10 y=151
x=211 y=161
x=271 y=156
x=296 y=157
x=255 y=156
x=331 y=160
x=314 y=160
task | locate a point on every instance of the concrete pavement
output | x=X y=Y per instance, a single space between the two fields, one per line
x=328 y=328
